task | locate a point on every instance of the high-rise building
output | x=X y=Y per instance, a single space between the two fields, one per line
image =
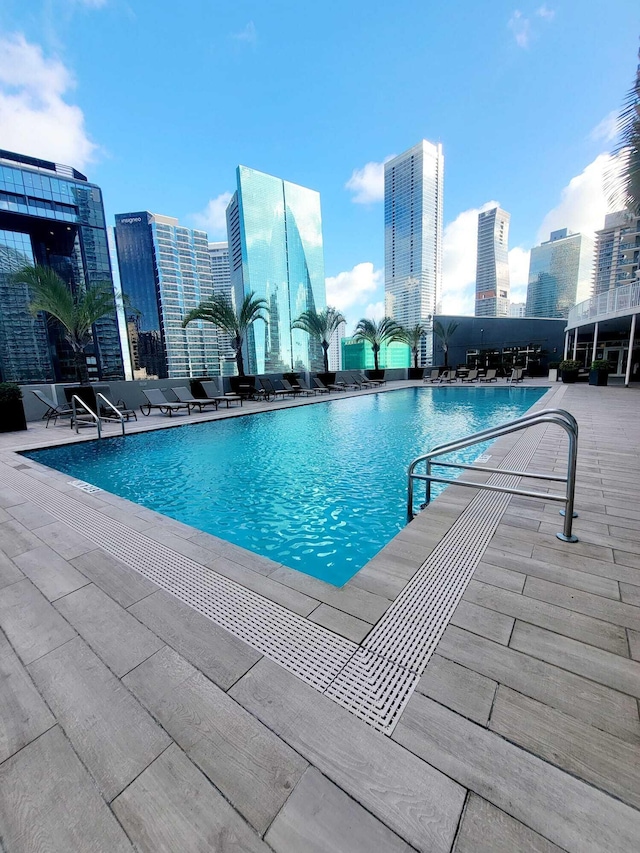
x=517 y=309
x=221 y=279
x=275 y=245
x=52 y=216
x=335 y=347
x=492 y=264
x=165 y=271
x=560 y=274
x=617 y=259
x=413 y=189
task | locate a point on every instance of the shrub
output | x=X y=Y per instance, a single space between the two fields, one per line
x=600 y=364
x=570 y=364
x=9 y=392
x=553 y=365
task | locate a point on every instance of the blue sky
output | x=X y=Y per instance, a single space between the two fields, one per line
x=159 y=101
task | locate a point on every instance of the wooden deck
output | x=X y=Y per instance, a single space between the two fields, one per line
x=130 y=722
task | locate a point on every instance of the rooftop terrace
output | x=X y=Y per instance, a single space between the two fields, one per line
x=133 y=716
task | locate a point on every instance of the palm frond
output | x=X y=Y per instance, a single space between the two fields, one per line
x=622 y=178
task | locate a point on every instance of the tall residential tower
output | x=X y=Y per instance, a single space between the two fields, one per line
x=165 y=272
x=275 y=247
x=617 y=252
x=492 y=265
x=413 y=186
x=560 y=273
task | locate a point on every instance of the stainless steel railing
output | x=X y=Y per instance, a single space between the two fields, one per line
x=559 y=417
x=86 y=415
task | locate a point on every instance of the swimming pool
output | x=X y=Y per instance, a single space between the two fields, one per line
x=319 y=488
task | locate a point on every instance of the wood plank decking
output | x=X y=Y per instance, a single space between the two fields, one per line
x=129 y=721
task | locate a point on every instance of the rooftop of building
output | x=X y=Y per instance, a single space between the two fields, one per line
x=24 y=161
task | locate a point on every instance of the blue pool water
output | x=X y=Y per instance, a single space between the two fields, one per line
x=318 y=488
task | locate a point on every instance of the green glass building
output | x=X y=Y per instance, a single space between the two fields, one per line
x=276 y=252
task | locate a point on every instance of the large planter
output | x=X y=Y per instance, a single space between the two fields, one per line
x=374 y=374
x=598 y=377
x=416 y=372
x=237 y=381
x=569 y=376
x=553 y=374
x=327 y=378
x=12 y=417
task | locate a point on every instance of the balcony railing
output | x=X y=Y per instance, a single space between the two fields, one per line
x=620 y=299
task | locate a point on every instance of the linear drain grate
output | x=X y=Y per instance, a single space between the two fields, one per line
x=89 y=488
x=373 y=681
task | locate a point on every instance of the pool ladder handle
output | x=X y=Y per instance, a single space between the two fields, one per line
x=86 y=411
x=560 y=417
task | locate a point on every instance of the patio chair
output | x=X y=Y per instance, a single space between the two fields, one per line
x=330 y=386
x=362 y=381
x=213 y=392
x=105 y=411
x=292 y=390
x=269 y=389
x=434 y=376
x=516 y=374
x=54 y=410
x=448 y=376
x=157 y=400
x=375 y=381
x=305 y=388
x=320 y=387
x=472 y=376
x=185 y=396
x=342 y=383
x=490 y=376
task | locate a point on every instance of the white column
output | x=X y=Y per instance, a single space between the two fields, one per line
x=595 y=341
x=631 y=340
x=566 y=345
x=575 y=342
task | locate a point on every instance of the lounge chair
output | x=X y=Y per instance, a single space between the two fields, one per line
x=472 y=376
x=54 y=410
x=305 y=388
x=270 y=390
x=516 y=375
x=157 y=400
x=297 y=389
x=434 y=376
x=185 y=396
x=290 y=389
x=320 y=387
x=448 y=376
x=345 y=384
x=362 y=381
x=375 y=381
x=330 y=387
x=213 y=392
x=490 y=376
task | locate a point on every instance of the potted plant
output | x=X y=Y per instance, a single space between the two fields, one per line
x=569 y=370
x=599 y=372
x=12 y=416
x=553 y=371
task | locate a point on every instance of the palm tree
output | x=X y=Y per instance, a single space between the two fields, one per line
x=219 y=310
x=320 y=325
x=445 y=336
x=76 y=312
x=412 y=338
x=376 y=334
x=623 y=181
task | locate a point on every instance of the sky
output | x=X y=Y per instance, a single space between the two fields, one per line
x=158 y=102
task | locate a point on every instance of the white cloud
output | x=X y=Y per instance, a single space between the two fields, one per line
x=213 y=218
x=374 y=311
x=249 y=34
x=519 y=273
x=35 y=118
x=368 y=183
x=356 y=292
x=546 y=13
x=521 y=28
x=583 y=204
x=607 y=129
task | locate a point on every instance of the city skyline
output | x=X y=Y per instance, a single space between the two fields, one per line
x=509 y=140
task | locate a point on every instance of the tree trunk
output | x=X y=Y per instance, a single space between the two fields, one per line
x=376 y=349
x=237 y=343
x=325 y=351
x=415 y=358
x=82 y=371
x=446 y=355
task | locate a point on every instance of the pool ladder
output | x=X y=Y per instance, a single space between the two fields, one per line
x=559 y=417
x=83 y=415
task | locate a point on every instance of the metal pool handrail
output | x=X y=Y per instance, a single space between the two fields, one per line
x=95 y=416
x=560 y=417
x=119 y=415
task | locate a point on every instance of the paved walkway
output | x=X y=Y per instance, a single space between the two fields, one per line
x=130 y=720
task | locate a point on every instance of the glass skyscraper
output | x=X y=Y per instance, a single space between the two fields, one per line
x=221 y=277
x=492 y=264
x=560 y=273
x=413 y=187
x=165 y=271
x=52 y=216
x=275 y=245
